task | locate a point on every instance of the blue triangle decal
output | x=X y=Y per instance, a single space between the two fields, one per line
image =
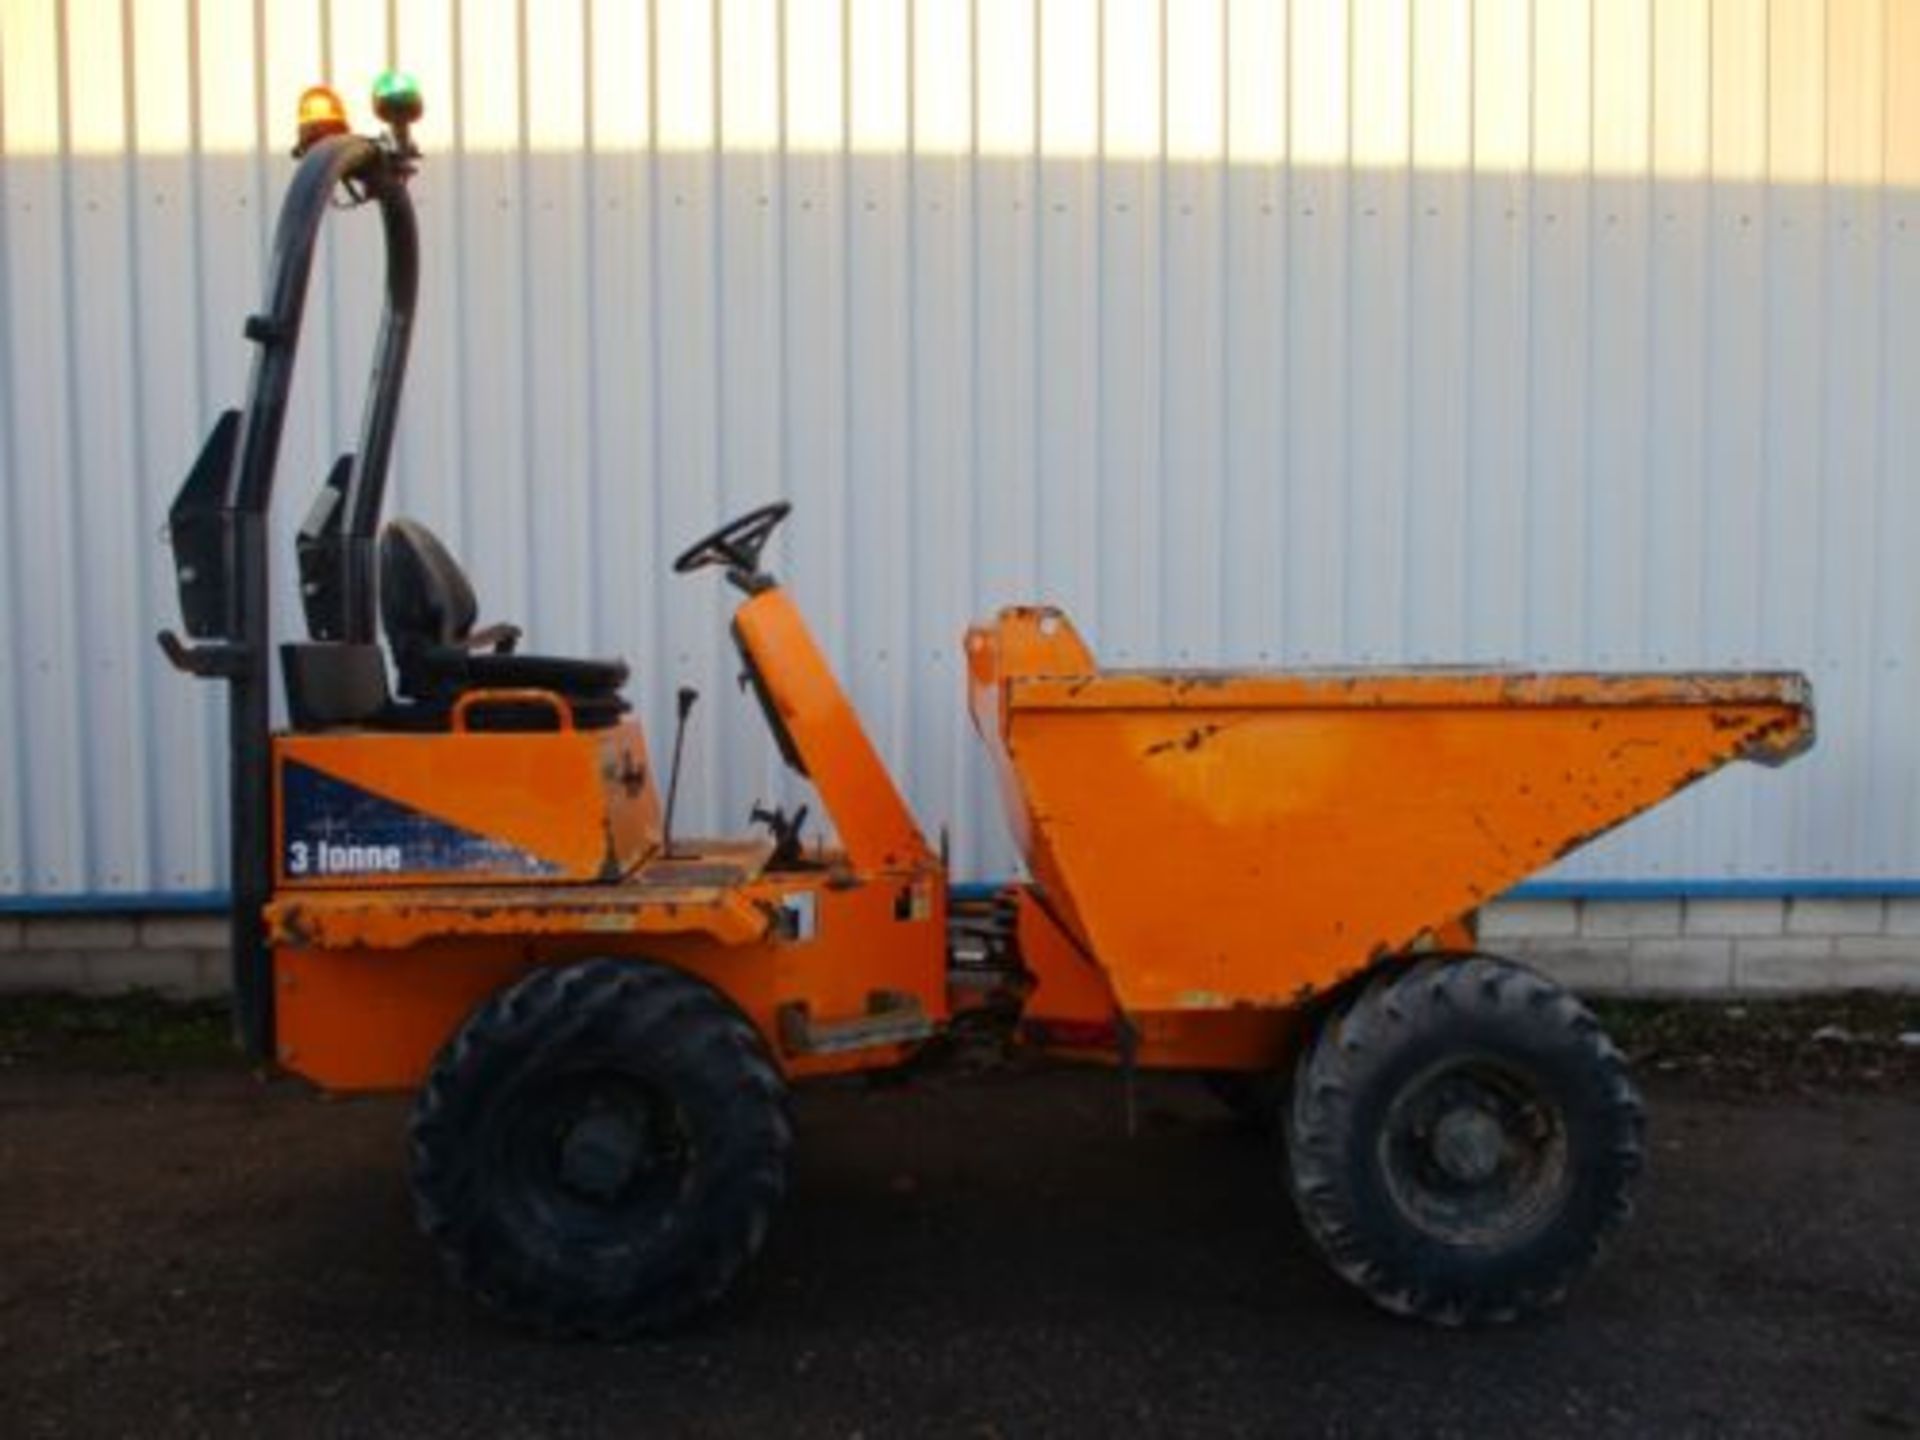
x=332 y=829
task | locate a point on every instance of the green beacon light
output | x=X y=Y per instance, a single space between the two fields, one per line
x=396 y=100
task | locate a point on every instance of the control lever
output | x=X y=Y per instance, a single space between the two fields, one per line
x=786 y=833
x=683 y=705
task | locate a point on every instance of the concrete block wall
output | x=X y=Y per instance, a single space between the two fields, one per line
x=182 y=956
x=1714 y=947
x=1603 y=947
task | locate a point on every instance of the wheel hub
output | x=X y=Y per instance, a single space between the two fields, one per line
x=1474 y=1153
x=1467 y=1144
x=599 y=1156
x=599 y=1148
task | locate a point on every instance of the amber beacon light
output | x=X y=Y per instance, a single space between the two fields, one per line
x=321 y=115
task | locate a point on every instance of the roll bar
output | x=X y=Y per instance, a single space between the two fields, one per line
x=218 y=521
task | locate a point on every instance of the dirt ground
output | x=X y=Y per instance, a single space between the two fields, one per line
x=186 y=1249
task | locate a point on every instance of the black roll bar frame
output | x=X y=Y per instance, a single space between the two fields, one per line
x=373 y=170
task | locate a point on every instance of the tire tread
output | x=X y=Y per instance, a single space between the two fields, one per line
x=635 y=1003
x=1354 y=1043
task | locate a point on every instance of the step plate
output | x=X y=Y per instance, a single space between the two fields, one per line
x=891 y=1019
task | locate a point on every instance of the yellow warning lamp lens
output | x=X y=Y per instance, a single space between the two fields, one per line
x=321 y=115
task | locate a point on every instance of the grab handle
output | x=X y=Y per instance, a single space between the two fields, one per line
x=483 y=699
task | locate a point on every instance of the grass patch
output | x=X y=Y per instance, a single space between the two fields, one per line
x=139 y=1030
x=1857 y=1040
x=1852 y=1041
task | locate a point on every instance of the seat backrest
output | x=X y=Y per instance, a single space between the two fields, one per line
x=425 y=597
x=331 y=684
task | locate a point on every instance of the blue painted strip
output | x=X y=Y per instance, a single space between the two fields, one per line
x=190 y=902
x=1807 y=889
x=976 y=889
x=214 y=901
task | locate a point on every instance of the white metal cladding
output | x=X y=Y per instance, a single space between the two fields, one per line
x=1563 y=333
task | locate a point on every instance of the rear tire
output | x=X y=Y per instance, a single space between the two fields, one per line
x=599 y=1149
x=1462 y=1140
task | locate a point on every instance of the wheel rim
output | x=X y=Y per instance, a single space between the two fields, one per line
x=1474 y=1153
x=595 y=1157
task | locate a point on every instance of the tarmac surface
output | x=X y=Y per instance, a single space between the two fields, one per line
x=186 y=1249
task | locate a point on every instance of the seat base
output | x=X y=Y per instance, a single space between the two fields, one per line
x=440 y=674
x=340 y=686
x=534 y=672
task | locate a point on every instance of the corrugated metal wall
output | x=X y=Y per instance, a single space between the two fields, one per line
x=1570 y=332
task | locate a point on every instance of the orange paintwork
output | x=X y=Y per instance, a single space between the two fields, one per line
x=1072 y=1003
x=1208 y=850
x=555 y=704
x=875 y=825
x=1250 y=1039
x=1069 y=989
x=584 y=802
x=374 y=973
x=365 y=1017
x=702 y=889
x=1228 y=840
x=389 y=920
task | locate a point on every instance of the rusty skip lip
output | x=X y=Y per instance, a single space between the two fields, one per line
x=1404 y=688
x=1775 y=744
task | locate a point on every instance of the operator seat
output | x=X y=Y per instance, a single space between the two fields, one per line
x=428 y=609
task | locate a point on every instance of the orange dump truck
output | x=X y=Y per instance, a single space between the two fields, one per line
x=455 y=872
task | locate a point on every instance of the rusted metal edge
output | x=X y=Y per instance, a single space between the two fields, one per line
x=1411 y=689
x=1782 y=739
x=398 y=919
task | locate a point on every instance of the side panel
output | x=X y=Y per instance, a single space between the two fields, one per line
x=1072 y=1013
x=374 y=1019
x=1229 y=857
x=1023 y=641
x=382 y=809
x=875 y=825
x=1219 y=840
x=1069 y=989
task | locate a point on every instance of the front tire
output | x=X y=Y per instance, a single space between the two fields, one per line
x=1462 y=1140
x=599 y=1149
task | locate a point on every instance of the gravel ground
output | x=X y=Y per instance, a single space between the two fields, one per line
x=186 y=1249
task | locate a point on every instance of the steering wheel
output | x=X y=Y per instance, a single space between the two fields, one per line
x=736 y=544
